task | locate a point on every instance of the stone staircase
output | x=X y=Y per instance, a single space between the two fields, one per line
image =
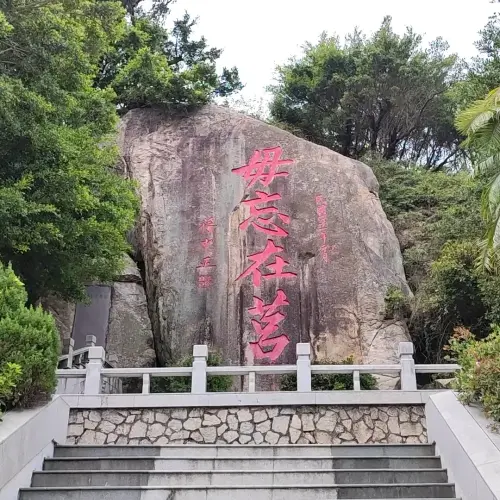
x=282 y=472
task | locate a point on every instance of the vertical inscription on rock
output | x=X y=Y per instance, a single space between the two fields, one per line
x=265 y=217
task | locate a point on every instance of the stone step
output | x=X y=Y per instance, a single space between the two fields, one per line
x=220 y=451
x=243 y=477
x=241 y=463
x=290 y=492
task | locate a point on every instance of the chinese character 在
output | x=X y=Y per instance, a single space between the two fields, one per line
x=263 y=167
x=260 y=258
x=269 y=318
x=205 y=263
x=260 y=218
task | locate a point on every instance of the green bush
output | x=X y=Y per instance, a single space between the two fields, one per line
x=331 y=382
x=397 y=304
x=217 y=383
x=29 y=346
x=479 y=378
x=9 y=377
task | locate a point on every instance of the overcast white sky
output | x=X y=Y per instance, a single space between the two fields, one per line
x=258 y=34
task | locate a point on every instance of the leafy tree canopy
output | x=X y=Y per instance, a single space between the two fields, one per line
x=64 y=213
x=152 y=65
x=383 y=94
x=66 y=68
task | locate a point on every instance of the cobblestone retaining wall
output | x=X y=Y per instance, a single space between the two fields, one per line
x=273 y=425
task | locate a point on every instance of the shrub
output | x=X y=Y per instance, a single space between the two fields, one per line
x=9 y=377
x=331 y=382
x=29 y=345
x=479 y=377
x=217 y=383
x=397 y=304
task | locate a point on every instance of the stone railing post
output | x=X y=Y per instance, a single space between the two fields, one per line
x=93 y=371
x=67 y=348
x=304 y=367
x=90 y=340
x=408 y=374
x=199 y=375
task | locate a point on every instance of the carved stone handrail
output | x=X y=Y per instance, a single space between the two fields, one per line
x=96 y=371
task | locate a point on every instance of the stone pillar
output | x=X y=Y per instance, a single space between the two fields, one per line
x=304 y=367
x=67 y=348
x=408 y=375
x=251 y=382
x=356 y=380
x=90 y=340
x=199 y=375
x=146 y=383
x=93 y=371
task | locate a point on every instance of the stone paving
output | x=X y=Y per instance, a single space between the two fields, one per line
x=259 y=425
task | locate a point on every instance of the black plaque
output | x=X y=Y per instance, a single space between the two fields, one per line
x=93 y=318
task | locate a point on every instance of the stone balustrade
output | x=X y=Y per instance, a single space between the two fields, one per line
x=96 y=375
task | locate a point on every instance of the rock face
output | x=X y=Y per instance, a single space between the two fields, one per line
x=254 y=240
x=129 y=341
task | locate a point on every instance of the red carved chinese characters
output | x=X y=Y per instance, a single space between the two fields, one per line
x=322 y=225
x=264 y=167
x=204 y=269
x=207 y=225
x=259 y=262
x=269 y=318
x=257 y=219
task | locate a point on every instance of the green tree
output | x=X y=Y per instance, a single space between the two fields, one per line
x=64 y=212
x=152 y=65
x=482 y=73
x=481 y=124
x=29 y=346
x=438 y=222
x=382 y=94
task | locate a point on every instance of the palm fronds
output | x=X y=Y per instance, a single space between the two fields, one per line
x=480 y=123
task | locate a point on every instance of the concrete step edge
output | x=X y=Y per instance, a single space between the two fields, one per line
x=230 y=471
x=266 y=446
x=232 y=487
x=284 y=457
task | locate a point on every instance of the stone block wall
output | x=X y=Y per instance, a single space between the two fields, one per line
x=256 y=425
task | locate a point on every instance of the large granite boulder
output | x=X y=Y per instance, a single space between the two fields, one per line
x=254 y=240
x=129 y=340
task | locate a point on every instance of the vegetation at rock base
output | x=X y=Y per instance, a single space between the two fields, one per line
x=397 y=304
x=479 y=379
x=438 y=222
x=29 y=346
x=331 y=382
x=215 y=383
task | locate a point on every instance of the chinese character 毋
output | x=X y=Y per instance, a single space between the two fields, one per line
x=263 y=167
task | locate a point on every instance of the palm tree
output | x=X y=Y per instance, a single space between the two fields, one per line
x=480 y=123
